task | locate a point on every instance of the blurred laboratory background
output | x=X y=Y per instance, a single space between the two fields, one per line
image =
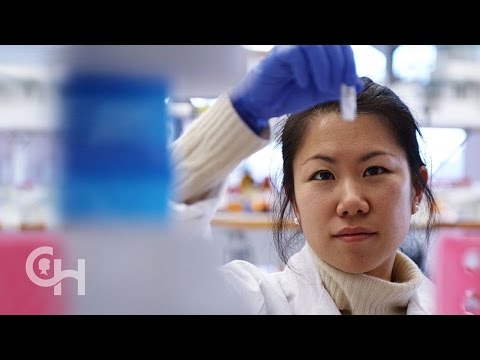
x=441 y=84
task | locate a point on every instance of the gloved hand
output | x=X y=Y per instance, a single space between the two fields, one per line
x=292 y=78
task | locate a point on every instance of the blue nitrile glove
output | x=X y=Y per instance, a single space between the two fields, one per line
x=292 y=78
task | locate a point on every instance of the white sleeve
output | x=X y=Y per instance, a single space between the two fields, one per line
x=197 y=216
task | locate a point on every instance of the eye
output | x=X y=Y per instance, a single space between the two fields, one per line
x=375 y=170
x=323 y=175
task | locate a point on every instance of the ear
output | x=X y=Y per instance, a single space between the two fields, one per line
x=418 y=195
x=295 y=209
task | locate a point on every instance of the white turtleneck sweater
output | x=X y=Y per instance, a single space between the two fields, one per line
x=360 y=294
x=210 y=149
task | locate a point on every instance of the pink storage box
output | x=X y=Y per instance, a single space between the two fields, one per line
x=18 y=294
x=456 y=270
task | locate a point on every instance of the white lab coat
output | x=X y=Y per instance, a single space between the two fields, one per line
x=295 y=290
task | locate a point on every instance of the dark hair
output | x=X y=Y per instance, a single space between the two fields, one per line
x=374 y=99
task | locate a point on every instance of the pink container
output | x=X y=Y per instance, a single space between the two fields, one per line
x=456 y=271
x=18 y=294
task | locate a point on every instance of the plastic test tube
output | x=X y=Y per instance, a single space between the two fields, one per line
x=348 y=102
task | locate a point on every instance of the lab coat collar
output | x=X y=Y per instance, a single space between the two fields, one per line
x=304 y=288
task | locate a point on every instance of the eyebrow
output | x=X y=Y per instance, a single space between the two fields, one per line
x=363 y=158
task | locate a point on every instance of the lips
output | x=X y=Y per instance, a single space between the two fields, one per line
x=354 y=234
x=354 y=231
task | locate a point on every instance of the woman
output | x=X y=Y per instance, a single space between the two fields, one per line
x=352 y=186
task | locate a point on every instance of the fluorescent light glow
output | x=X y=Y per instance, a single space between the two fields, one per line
x=414 y=62
x=200 y=103
x=370 y=62
x=259 y=48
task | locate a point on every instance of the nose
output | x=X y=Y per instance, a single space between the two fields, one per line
x=352 y=200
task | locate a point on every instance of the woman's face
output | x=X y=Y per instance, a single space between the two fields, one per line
x=353 y=193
